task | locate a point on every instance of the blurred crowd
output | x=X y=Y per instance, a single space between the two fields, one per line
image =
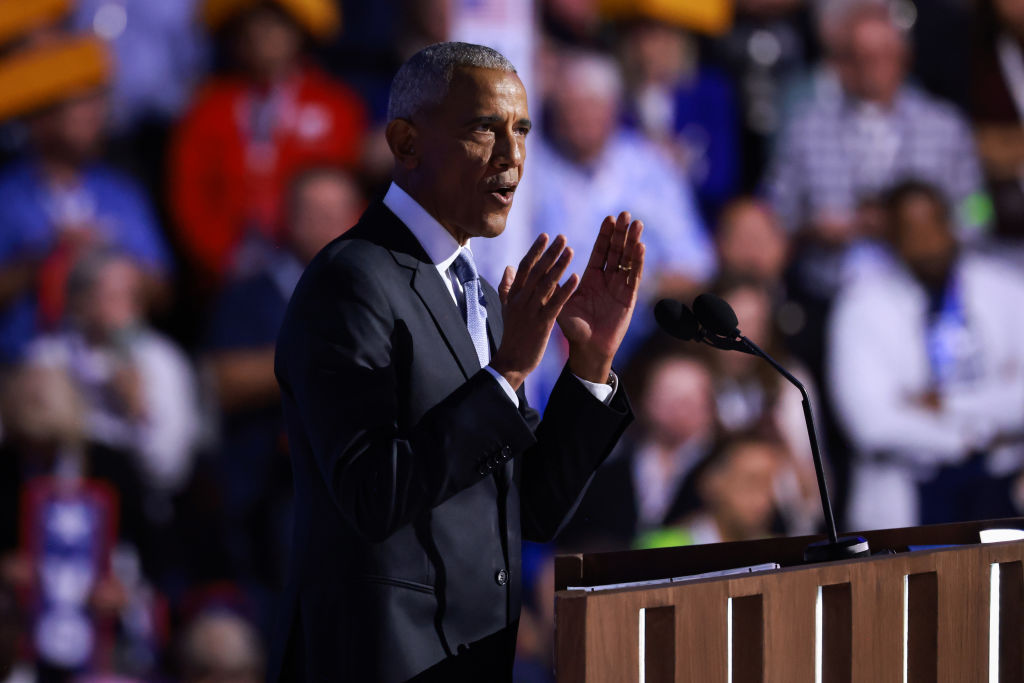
x=847 y=174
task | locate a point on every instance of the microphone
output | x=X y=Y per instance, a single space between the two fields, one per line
x=717 y=322
x=716 y=315
x=676 y=318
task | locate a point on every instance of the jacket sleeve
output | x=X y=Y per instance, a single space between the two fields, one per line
x=339 y=362
x=574 y=438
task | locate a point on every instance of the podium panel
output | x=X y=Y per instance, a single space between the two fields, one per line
x=943 y=607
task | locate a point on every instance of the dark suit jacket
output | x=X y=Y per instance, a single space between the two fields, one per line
x=416 y=478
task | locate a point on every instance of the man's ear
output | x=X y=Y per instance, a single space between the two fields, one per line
x=402 y=136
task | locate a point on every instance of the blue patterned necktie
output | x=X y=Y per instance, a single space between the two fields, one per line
x=474 y=310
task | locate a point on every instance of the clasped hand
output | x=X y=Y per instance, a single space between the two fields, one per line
x=593 y=312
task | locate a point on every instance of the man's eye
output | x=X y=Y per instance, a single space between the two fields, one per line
x=482 y=128
x=523 y=130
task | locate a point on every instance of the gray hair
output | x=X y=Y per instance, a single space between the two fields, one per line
x=425 y=77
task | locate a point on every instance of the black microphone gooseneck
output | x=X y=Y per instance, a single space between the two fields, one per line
x=720 y=329
x=819 y=470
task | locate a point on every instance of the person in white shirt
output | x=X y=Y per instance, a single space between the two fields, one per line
x=139 y=386
x=587 y=166
x=926 y=368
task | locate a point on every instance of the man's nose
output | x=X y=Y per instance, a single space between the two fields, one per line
x=508 y=150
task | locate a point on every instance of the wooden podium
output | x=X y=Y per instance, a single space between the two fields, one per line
x=930 y=614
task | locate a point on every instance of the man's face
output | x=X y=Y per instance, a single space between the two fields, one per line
x=678 y=402
x=471 y=149
x=583 y=120
x=266 y=42
x=324 y=207
x=923 y=239
x=74 y=129
x=658 y=52
x=875 y=61
x=115 y=300
x=741 y=490
x=750 y=242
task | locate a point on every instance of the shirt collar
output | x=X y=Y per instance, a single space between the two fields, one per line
x=899 y=104
x=439 y=244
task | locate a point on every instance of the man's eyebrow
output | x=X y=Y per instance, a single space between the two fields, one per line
x=493 y=118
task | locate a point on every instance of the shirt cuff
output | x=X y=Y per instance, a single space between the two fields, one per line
x=503 y=383
x=602 y=392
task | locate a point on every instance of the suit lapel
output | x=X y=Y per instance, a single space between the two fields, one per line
x=380 y=226
x=427 y=284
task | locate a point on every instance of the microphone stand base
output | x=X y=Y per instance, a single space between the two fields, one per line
x=845 y=548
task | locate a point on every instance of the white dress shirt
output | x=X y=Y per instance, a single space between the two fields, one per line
x=442 y=250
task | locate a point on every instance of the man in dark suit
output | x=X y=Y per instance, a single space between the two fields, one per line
x=419 y=467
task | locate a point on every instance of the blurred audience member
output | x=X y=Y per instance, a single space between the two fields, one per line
x=256 y=478
x=770 y=44
x=64 y=502
x=751 y=396
x=839 y=153
x=685 y=106
x=59 y=200
x=927 y=372
x=219 y=647
x=751 y=243
x=997 y=108
x=138 y=386
x=647 y=483
x=250 y=130
x=736 y=486
x=590 y=168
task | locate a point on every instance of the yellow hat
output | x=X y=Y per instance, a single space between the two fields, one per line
x=38 y=77
x=712 y=17
x=321 y=18
x=18 y=17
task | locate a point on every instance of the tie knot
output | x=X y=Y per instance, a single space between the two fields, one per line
x=464 y=267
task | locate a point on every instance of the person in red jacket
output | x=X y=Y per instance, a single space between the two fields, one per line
x=249 y=131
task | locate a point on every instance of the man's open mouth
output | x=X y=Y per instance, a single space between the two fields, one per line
x=504 y=193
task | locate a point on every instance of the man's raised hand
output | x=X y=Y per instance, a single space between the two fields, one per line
x=596 y=317
x=531 y=300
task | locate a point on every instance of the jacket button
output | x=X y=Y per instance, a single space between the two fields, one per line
x=482 y=469
x=506 y=453
x=501 y=577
